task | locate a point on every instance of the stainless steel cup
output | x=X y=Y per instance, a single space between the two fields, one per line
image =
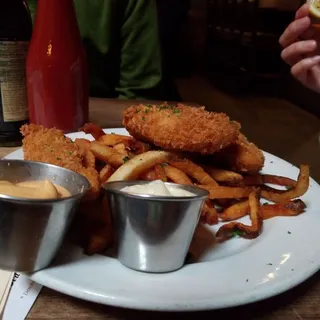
x=153 y=233
x=31 y=231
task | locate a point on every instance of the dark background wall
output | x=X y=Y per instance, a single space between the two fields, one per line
x=234 y=43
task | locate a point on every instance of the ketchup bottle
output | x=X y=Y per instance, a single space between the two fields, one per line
x=57 y=75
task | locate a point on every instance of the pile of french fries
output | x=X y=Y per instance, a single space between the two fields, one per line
x=231 y=195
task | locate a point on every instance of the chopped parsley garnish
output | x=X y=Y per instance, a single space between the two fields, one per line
x=143 y=118
x=149 y=105
x=238 y=233
x=265 y=203
x=163 y=107
x=138 y=111
x=175 y=111
x=163 y=165
x=125 y=159
x=70 y=152
x=146 y=111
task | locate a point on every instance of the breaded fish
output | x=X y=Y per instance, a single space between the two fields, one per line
x=52 y=146
x=181 y=127
x=243 y=156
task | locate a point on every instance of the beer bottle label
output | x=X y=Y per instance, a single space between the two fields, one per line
x=13 y=87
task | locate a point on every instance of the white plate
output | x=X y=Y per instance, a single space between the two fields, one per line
x=236 y=272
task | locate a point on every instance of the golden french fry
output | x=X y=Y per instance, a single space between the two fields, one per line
x=134 y=167
x=232 y=229
x=96 y=225
x=314 y=12
x=149 y=175
x=99 y=240
x=121 y=148
x=290 y=208
x=176 y=175
x=138 y=147
x=108 y=154
x=105 y=173
x=93 y=129
x=219 y=192
x=222 y=175
x=114 y=139
x=83 y=144
x=267 y=211
x=236 y=211
x=268 y=178
x=224 y=203
x=209 y=214
x=194 y=171
x=160 y=173
x=285 y=195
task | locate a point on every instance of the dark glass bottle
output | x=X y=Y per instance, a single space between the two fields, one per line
x=15 y=35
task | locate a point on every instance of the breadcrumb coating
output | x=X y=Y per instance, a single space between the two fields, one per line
x=52 y=146
x=181 y=128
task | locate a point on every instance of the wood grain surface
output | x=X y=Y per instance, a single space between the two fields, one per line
x=300 y=303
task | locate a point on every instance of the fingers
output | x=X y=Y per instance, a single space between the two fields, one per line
x=294 y=53
x=294 y=30
x=300 y=70
x=303 y=11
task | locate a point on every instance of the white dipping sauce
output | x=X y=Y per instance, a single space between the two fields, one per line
x=157 y=188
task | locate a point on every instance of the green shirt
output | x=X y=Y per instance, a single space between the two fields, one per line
x=123 y=48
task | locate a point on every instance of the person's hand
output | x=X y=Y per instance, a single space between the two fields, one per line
x=301 y=49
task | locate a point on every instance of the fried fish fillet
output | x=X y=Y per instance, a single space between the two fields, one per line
x=52 y=146
x=242 y=156
x=181 y=127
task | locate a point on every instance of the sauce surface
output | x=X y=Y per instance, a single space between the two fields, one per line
x=157 y=188
x=33 y=190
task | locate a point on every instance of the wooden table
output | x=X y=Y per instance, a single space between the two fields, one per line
x=297 y=141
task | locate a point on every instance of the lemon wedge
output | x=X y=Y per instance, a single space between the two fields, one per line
x=315 y=8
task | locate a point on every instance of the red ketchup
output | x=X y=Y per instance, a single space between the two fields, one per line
x=57 y=76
